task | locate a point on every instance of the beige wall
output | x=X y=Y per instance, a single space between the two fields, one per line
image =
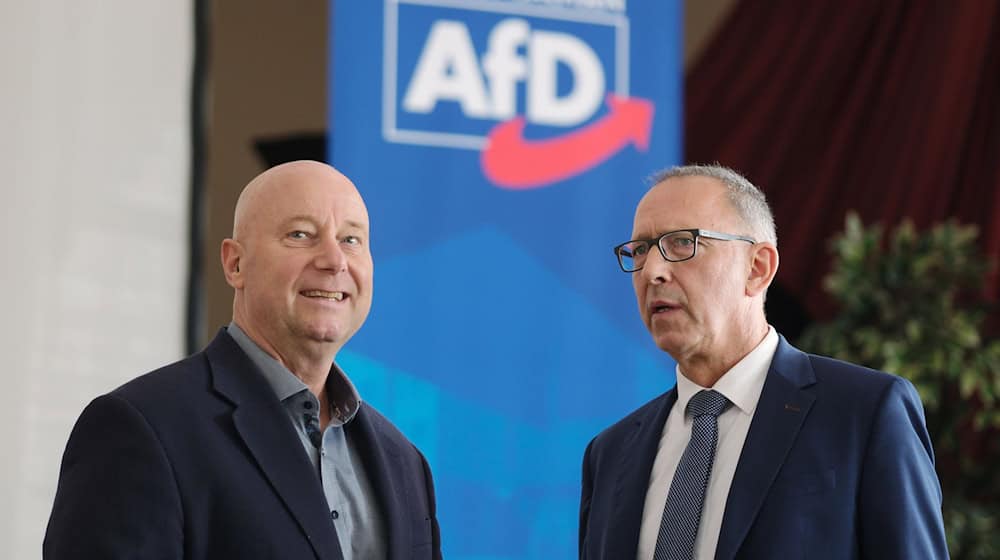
x=267 y=62
x=268 y=69
x=701 y=19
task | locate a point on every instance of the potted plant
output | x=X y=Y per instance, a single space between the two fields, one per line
x=912 y=304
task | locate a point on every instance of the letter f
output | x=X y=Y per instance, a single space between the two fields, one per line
x=504 y=66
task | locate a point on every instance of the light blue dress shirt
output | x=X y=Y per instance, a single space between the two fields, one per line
x=353 y=506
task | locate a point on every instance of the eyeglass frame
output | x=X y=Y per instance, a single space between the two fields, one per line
x=695 y=232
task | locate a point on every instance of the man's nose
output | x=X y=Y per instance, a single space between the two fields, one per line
x=331 y=256
x=656 y=269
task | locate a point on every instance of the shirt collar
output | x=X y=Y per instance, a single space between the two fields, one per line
x=743 y=382
x=344 y=398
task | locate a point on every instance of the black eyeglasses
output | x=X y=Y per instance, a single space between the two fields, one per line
x=675 y=246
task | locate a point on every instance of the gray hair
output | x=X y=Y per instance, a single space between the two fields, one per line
x=748 y=200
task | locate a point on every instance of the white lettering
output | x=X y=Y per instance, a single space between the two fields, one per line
x=504 y=67
x=604 y=5
x=447 y=70
x=544 y=105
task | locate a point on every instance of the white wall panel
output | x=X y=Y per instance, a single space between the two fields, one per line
x=94 y=177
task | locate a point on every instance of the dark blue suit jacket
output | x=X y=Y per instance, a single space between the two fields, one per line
x=837 y=464
x=198 y=460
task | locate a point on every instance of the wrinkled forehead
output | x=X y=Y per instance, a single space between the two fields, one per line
x=684 y=203
x=323 y=198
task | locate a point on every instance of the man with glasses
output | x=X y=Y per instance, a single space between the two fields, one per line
x=761 y=450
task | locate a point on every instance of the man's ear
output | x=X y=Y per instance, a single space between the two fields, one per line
x=232 y=254
x=763 y=267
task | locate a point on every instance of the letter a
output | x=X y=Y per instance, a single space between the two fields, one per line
x=448 y=70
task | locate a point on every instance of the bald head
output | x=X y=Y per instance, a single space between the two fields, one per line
x=260 y=193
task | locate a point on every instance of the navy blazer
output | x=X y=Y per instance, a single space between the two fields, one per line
x=198 y=460
x=837 y=464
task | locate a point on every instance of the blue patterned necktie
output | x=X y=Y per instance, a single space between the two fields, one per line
x=682 y=513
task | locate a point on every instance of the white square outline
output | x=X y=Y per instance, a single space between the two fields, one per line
x=468 y=141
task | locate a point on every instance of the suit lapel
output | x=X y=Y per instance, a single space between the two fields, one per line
x=783 y=407
x=385 y=472
x=264 y=427
x=637 y=456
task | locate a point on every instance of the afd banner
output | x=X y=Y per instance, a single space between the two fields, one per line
x=501 y=146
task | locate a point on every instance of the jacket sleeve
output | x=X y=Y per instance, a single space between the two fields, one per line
x=585 y=495
x=117 y=496
x=900 y=494
x=432 y=509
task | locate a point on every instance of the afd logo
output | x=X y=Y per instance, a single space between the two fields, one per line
x=540 y=92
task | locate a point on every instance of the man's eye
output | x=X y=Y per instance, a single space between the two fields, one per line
x=298 y=234
x=639 y=249
x=352 y=240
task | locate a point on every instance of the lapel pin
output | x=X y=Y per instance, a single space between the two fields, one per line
x=792 y=407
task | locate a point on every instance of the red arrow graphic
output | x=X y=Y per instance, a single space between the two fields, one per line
x=512 y=162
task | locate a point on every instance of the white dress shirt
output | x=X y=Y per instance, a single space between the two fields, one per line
x=742 y=385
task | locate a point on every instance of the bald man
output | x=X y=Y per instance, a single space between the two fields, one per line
x=258 y=446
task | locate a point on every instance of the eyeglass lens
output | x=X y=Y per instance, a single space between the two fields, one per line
x=677 y=246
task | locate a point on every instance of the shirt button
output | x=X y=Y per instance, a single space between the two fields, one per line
x=335 y=514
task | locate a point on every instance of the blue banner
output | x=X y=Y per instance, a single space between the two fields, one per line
x=501 y=147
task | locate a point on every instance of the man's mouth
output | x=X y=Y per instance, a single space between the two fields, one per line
x=336 y=296
x=662 y=307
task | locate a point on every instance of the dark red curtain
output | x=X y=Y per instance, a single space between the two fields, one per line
x=891 y=108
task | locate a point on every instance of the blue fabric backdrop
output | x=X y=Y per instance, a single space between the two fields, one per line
x=501 y=147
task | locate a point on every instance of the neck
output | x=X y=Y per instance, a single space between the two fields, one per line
x=707 y=370
x=313 y=370
x=310 y=362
